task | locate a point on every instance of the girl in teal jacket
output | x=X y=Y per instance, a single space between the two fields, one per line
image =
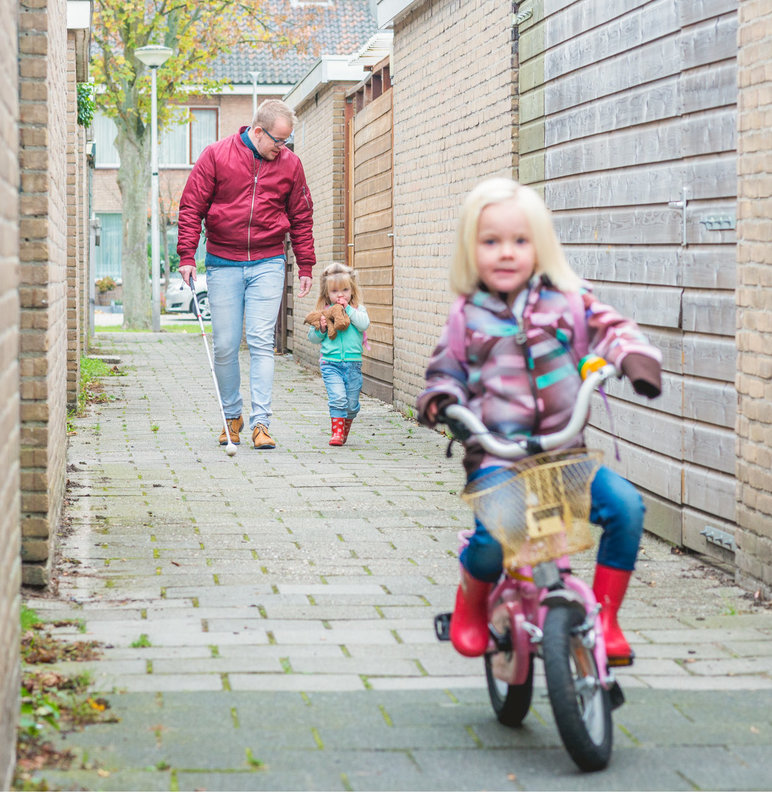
x=341 y=358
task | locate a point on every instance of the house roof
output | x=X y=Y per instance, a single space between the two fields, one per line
x=346 y=25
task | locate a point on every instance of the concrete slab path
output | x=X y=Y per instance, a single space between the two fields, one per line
x=267 y=618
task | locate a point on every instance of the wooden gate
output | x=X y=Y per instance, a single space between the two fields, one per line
x=369 y=220
x=628 y=126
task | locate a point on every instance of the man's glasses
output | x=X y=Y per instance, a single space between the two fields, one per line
x=277 y=141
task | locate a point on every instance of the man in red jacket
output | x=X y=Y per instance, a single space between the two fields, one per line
x=249 y=190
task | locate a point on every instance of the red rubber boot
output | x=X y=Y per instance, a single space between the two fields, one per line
x=347 y=428
x=609 y=587
x=337 y=431
x=469 y=623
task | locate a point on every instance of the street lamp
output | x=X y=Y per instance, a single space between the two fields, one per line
x=153 y=56
x=254 y=76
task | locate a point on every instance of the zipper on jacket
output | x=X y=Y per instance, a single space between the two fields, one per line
x=256 y=172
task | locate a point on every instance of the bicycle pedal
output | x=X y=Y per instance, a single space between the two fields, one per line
x=622 y=660
x=442 y=626
x=616 y=696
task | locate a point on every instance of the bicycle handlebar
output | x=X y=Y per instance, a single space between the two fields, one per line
x=521 y=446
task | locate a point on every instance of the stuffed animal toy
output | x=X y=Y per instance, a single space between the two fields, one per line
x=336 y=316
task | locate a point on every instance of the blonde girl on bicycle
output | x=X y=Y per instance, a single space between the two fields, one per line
x=341 y=357
x=510 y=352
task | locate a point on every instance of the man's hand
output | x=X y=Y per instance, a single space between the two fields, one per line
x=305 y=285
x=187 y=272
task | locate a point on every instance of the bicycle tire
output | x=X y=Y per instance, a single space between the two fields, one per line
x=580 y=705
x=510 y=703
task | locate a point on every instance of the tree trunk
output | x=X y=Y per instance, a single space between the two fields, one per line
x=134 y=184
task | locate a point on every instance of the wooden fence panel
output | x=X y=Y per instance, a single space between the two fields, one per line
x=625 y=109
x=371 y=232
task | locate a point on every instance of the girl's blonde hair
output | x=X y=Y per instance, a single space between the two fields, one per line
x=550 y=258
x=337 y=276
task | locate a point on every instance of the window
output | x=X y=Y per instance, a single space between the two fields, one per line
x=108 y=252
x=104 y=139
x=181 y=145
x=203 y=130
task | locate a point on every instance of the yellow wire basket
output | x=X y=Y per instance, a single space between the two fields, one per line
x=539 y=508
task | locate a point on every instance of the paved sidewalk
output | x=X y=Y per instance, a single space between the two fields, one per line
x=286 y=599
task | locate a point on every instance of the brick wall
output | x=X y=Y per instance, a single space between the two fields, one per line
x=235 y=112
x=319 y=142
x=754 y=297
x=453 y=126
x=10 y=568
x=43 y=283
x=76 y=142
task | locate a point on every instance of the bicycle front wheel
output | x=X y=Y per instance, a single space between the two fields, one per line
x=580 y=704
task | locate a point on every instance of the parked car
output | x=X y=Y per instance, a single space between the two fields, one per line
x=179 y=297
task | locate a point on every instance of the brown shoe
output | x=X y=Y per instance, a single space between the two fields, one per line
x=261 y=438
x=234 y=428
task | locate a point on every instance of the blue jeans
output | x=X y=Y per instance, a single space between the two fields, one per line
x=616 y=506
x=343 y=382
x=251 y=293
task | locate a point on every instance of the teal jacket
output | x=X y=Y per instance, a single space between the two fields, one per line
x=347 y=344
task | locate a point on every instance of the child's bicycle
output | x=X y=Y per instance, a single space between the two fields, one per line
x=538 y=509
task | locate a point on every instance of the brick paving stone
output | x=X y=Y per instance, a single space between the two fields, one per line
x=289 y=596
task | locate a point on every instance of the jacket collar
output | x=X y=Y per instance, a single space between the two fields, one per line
x=247 y=141
x=496 y=305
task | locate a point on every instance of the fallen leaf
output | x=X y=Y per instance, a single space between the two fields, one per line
x=101 y=772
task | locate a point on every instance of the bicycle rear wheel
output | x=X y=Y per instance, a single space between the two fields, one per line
x=580 y=704
x=510 y=703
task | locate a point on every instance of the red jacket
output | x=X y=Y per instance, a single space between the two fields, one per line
x=247 y=204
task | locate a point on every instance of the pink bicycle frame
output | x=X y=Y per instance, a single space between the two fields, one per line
x=521 y=598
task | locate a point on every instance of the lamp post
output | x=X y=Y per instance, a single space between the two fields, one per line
x=254 y=76
x=153 y=56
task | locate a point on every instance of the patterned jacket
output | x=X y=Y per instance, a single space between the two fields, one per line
x=521 y=378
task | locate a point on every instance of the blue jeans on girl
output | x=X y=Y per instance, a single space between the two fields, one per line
x=616 y=506
x=343 y=381
x=249 y=292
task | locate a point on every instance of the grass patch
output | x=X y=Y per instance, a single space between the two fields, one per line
x=29 y=619
x=91 y=390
